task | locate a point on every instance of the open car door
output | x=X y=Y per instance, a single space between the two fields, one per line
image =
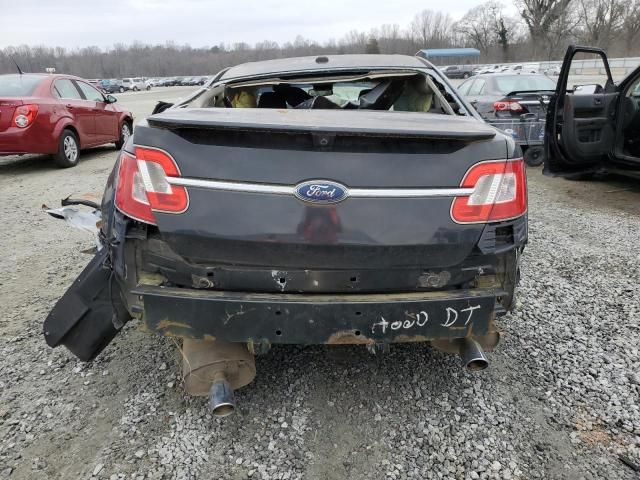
x=580 y=126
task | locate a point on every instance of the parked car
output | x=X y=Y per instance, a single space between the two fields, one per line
x=458 y=71
x=392 y=214
x=136 y=84
x=173 y=82
x=553 y=70
x=593 y=128
x=112 y=86
x=491 y=94
x=58 y=115
x=515 y=103
x=526 y=68
x=490 y=69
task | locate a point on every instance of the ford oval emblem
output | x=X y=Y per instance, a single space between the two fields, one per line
x=321 y=192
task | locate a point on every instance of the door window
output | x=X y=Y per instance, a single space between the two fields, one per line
x=65 y=88
x=478 y=87
x=464 y=88
x=90 y=93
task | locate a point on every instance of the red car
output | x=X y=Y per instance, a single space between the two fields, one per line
x=58 y=115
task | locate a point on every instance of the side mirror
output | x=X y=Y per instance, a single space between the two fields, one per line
x=111 y=99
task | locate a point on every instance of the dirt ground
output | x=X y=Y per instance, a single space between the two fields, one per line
x=560 y=399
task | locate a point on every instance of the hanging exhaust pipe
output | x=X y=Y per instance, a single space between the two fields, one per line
x=215 y=369
x=473 y=355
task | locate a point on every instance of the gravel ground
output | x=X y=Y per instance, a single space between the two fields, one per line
x=560 y=400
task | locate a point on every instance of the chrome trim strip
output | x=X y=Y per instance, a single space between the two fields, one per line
x=232 y=186
x=275 y=189
x=409 y=192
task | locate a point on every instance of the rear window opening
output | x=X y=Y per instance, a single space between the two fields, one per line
x=18 y=85
x=400 y=92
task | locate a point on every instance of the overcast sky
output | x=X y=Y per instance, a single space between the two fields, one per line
x=77 y=23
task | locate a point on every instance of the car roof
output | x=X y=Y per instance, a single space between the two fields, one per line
x=323 y=63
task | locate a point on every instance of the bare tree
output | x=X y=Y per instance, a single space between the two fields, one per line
x=600 y=21
x=631 y=26
x=485 y=26
x=541 y=16
x=389 y=38
x=477 y=27
x=431 y=29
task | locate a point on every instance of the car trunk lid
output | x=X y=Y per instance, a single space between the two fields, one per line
x=242 y=168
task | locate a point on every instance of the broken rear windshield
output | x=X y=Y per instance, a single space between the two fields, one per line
x=388 y=89
x=18 y=85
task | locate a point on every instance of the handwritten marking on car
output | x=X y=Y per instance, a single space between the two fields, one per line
x=421 y=318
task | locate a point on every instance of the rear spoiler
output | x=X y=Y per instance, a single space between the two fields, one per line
x=530 y=92
x=332 y=122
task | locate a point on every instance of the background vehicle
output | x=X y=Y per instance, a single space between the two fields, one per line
x=526 y=68
x=458 y=71
x=351 y=224
x=490 y=69
x=112 y=85
x=490 y=94
x=172 y=81
x=57 y=115
x=136 y=84
x=595 y=128
x=553 y=70
x=515 y=103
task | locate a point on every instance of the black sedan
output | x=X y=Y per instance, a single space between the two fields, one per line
x=506 y=95
x=515 y=103
x=369 y=207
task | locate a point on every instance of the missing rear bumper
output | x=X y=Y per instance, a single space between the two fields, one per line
x=317 y=319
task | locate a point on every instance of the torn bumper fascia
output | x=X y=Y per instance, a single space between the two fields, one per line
x=93 y=309
x=90 y=313
x=317 y=319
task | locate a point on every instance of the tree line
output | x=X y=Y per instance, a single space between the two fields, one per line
x=540 y=31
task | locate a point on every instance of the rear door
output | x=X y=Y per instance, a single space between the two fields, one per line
x=475 y=91
x=79 y=109
x=580 y=126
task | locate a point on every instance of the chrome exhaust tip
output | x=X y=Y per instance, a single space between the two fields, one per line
x=472 y=355
x=221 y=398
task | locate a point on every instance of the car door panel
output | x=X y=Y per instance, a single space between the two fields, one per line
x=81 y=113
x=588 y=127
x=580 y=127
x=105 y=116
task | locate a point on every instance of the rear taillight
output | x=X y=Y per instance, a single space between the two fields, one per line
x=143 y=187
x=507 y=106
x=499 y=192
x=25 y=115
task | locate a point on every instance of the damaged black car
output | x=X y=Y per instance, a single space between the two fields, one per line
x=347 y=199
